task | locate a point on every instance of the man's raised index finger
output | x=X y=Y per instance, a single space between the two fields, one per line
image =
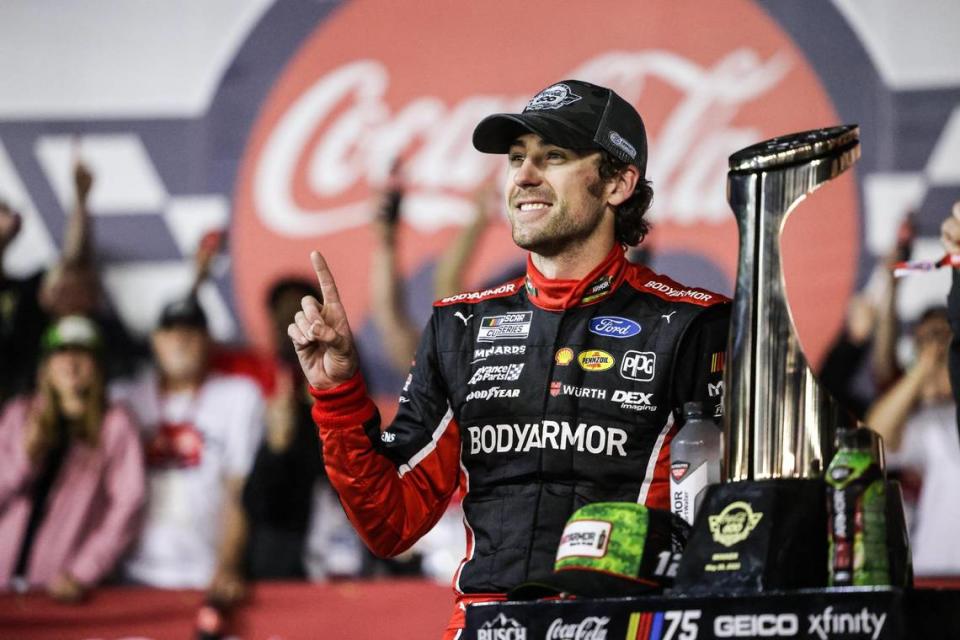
x=327 y=285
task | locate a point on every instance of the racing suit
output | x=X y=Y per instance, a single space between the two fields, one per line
x=533 y=399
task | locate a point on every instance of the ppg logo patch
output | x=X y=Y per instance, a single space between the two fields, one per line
x=638 y=365
x=559 y=95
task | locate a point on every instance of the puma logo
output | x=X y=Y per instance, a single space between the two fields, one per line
x=465 y=320
x=668 y=316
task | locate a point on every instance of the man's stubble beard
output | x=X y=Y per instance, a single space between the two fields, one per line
x=561 y=233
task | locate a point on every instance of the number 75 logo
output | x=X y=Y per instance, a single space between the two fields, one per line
x=682 y=625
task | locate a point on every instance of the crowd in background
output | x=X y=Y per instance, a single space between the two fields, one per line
x=177 y=462
x=182 y=463
x=894 y=377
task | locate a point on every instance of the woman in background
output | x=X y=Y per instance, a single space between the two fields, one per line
x=72 y=477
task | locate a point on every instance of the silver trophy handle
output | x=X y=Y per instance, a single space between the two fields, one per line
x=779 y=421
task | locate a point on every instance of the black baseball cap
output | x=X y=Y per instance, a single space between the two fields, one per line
x=185 y=312
x=575 y=115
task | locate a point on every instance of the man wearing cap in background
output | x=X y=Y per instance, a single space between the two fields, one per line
x=201 y=431
x=534 y=398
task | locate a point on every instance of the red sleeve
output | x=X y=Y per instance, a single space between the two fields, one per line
x=393 y=485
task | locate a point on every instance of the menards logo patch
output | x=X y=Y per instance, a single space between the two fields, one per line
x=595 y=360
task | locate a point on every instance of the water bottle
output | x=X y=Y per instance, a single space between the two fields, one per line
x=695 y=455
x=856 y=510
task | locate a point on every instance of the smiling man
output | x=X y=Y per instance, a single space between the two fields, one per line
x=536 y=397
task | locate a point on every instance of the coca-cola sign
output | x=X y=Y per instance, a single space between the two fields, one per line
x=377 y=81
x=345 y=134
x=590 y=628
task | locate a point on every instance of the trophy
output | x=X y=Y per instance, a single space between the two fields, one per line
x=765 y=527
x=779 y=422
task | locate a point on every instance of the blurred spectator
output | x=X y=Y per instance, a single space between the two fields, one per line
x=21 y=318
x=886 y=369
x=950 y=238
x=398 y=332
x=846 y=369
x=454 y=262
x=72 y=478
x=69 y=287
x=862 y=362
x=201 y=431
x=439 y=552
x=396 y=328
x=279 y=494
x=917 y=419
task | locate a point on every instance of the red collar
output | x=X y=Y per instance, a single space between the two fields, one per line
x=556 y=295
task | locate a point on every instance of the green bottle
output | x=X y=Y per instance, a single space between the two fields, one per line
x=856 y=511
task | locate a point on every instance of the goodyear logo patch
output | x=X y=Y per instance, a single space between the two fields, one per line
x=595 y=360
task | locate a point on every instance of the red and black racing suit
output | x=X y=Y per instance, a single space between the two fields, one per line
x=533 y=399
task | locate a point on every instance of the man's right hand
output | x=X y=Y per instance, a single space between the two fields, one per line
x=321 y=334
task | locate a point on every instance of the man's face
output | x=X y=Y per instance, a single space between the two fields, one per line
x=555 y=197
x=181 y=352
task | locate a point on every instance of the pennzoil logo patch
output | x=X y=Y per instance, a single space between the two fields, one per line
x=595 y=360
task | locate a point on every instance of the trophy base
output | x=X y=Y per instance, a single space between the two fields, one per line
x=771 y=535
x=757 y=536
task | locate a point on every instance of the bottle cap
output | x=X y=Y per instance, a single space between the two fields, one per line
x=693 y=410
x=862 y=438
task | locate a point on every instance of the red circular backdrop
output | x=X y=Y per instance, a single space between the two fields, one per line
x=377 y=79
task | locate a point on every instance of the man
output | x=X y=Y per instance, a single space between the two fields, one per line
x=201 y=432
x=543 y=394
x=916 y=417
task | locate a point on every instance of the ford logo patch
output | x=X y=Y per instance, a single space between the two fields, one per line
x=614 y=327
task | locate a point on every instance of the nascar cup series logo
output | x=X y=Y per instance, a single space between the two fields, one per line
x=345 y=107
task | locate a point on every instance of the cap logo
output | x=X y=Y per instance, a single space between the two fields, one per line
x=584 y=538
x=559 y=95
x=75 y=330
x=619 y=142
